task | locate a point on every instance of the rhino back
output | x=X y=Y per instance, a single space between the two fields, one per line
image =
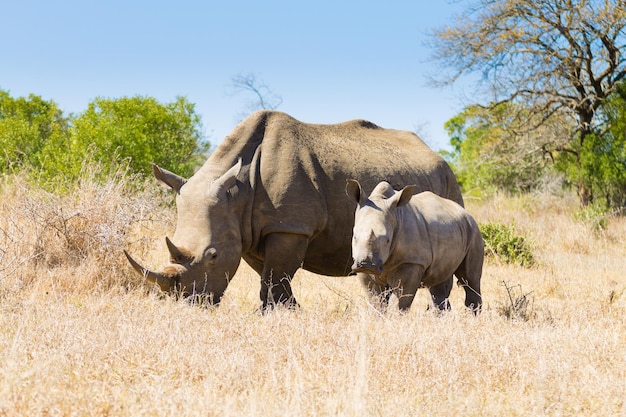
x=436 y=233
x=298 y=171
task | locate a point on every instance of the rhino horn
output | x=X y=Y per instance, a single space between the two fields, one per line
x=175 y=182
x=164 y=282
x=176 y=254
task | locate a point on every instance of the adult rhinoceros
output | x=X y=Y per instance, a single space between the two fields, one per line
x=273 y=194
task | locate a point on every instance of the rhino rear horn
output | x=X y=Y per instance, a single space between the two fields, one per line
x=177 y=255
x=229 y=178
x=175 y=182
x=165 y=283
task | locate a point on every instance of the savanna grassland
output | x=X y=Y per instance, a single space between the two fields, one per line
x=80 y=334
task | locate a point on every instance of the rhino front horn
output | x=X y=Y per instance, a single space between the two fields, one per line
x=164 y=282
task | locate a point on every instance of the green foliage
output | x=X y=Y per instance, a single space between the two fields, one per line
x=603 y=157
x=489 y=153
x=556 y=64
x=127 y=133
x=504 y=244
x=599 y=162
x=595 y=215
x=486 y=156
x=142 y=130
x=27 y=127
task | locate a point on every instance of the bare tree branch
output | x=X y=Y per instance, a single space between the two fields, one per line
x=264 y=97
x=554 y=58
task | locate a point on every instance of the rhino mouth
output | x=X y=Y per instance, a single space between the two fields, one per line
x=366 y=267
x=181 y=279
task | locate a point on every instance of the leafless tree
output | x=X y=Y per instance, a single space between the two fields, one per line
x=264 y=97
x=555 y=57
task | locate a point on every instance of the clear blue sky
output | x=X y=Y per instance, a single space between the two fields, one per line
x=329 y=60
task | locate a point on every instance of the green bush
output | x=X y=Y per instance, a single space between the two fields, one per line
x=596 y=216
x=141 y=130
x=27 y=126
x=486 y=155
x=504 y=244
x=127 y=133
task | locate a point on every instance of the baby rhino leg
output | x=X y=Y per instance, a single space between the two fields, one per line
x=469 y=275
x=378 y=291
x=406 y=281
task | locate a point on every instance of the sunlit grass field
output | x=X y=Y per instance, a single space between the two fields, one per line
x=80 y=334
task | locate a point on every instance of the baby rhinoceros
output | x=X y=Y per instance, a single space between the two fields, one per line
x=402 y=242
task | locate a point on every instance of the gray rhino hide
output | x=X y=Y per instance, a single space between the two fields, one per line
x=287 y=208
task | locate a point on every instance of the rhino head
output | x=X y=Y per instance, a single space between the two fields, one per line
x=206 y=248
x=374 y=224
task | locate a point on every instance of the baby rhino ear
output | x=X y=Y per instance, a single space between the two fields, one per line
x=354 y=191
x=400 y=198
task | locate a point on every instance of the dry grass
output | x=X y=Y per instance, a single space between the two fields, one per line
x=79 y=335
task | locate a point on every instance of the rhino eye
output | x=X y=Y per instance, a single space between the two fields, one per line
x=181 y=259
x=210 y=254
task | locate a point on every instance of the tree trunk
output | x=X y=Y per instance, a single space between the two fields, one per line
x=585 y=193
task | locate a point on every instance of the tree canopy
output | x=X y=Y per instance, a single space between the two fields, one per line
x=35 y=136
x=554 y=59
x=487 y=155
x=27 y=126
x=143 y=130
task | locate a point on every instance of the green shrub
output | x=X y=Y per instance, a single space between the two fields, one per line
x=27 y=126
x=140 y=130
x=596 y=216
x=127 y=134
x=502 y=242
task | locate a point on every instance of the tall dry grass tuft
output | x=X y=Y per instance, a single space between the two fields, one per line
x=80 y=335
x=72 y=241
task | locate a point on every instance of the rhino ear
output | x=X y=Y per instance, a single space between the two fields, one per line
x=175 y=182
x=228 y=179
x=355 y=192
x=404 y=196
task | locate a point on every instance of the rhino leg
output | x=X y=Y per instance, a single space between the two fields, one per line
x=405 y=282
x=378 y=292
x=468 y=275
x=284 y=254
x=440 y=294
